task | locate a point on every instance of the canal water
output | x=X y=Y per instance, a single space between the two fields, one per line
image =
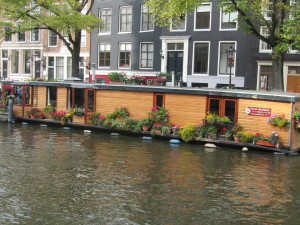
x=50 y=175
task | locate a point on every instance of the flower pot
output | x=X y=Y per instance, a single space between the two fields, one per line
x=236 y=138
x=265 y=143
x=145 y=128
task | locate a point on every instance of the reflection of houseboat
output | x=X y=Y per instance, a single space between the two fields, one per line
x=251 y=109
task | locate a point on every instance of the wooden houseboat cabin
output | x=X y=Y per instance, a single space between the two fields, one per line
x=251 y=109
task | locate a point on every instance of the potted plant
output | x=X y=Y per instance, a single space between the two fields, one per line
x=77 y=111
x=137 y=79
x=228 y=133
x=296 y=117
x=159 y=114
x=146 y=123
x=188 y=132
x=167 y=129
x=156 y=129
x=278 y=120
x=257 y=137
x=117 y=77
x=212 y=132
x=93 y=117
x=245 y=137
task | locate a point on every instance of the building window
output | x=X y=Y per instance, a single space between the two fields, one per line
x=203 y=13
x=90 y=101
x=59 y=68
x=267 y=10
x=228 y=20
x=52 y=96
x=159 y=100
x=224 y=67
x=265 y=76
x=201 y=59
x=126 y=19
x=81 y=67
x=83 y=38
x=26 y=61
x=51 y=68
x=21 y=36
x=104 y=55
x=7 y=37
x=35 y=35
x=179 y=24
x=78 y=98
x=263 y=46
x=69 y=66
x=223 y=107
x=18 y=95
x=125 y=55
x=14 y=61
x=147 y=23
x=146 y=55
x=105 y=16
x=52 y=38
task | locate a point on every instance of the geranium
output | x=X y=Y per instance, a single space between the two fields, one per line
x=159 y=114
x=278 y=120
x=137 y=79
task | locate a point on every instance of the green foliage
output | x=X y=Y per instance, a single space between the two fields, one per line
x=146 y=122
x=159 y=114
x=188 y=132
x=245 y=136
x=129 y=123
x=117 y=76
x=48 y=109
x=67 y=18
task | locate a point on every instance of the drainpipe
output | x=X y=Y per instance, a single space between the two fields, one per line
x=93 y=72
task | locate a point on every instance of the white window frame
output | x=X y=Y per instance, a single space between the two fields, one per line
x=266 y=11
x=263 y=49
x=179 y=30
x=149 y=22
x=119 y=51
x=234 y=20
x=195 y=17
x=140 y=60
x=99 y=46
x=106 y=16
x=18 y=37
x=233 y=69
x=49 y=38
x=32 y=35
x=83 y=38
x=120 y=9
x=11 y=61
x=24 y=61
x=208 y=61
x=10 y=41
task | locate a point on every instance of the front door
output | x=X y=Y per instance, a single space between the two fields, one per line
x=175 y=63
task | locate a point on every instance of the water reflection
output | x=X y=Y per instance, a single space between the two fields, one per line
x=50 y=175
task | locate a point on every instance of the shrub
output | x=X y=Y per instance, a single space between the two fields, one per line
x=188 y=132
x=116 y=76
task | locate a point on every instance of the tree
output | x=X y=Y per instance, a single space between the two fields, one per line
x=274 y=16
x=66 y=18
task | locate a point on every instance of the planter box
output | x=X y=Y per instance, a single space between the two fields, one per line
x=265 y=143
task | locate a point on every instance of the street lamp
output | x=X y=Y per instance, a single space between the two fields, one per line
x=230 y=61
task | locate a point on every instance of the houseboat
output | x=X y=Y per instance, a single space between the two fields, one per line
x=260 y=114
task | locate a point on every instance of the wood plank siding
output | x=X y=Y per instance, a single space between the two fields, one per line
x=259 y=124
x=138 y=103
x=295 y=139
x=42 y=97
x=62 y=98
x=186 y=109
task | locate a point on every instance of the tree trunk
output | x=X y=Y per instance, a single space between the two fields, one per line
x=76 y=56
x=277 y=72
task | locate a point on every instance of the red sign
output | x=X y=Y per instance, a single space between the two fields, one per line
x=255 y=111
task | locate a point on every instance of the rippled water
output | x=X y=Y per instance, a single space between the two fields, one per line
x=49 y=175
